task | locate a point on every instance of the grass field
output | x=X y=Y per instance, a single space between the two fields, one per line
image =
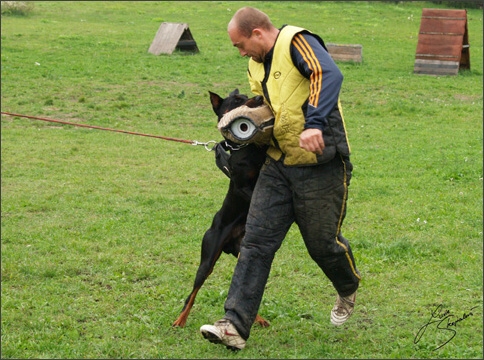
x=101 y=231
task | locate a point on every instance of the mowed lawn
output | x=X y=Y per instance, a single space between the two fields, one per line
x=101 y=231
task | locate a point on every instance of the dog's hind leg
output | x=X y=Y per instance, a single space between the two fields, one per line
x=213 y=243
x=261 y=321
x=182 y=318
x=203 y=272
x=199 y=280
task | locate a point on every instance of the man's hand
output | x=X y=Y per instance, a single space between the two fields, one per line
x=312 y=140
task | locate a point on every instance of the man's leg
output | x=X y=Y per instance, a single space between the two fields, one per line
x=270 y=217
x=321 y=194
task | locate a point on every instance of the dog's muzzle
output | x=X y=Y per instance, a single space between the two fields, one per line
x=245 y=125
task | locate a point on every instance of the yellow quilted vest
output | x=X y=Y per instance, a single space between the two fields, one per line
x=288 y=90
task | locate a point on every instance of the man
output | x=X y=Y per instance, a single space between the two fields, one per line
x=305 y=176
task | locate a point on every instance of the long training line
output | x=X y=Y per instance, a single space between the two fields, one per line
x=102 y=128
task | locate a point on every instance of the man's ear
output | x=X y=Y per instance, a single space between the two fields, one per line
x=257 y=33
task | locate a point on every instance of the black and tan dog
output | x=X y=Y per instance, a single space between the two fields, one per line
x=242 y=165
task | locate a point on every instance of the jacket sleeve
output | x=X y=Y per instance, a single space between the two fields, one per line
x=315 y=64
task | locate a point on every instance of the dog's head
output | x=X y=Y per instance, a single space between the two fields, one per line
x=222 y=106
x=243 y=163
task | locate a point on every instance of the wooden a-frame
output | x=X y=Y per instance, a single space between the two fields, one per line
x=171 y=36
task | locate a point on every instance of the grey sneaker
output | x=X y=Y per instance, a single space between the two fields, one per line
x=223 y=332
x=343 y=309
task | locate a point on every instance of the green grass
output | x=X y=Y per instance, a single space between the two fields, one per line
x=101 y=231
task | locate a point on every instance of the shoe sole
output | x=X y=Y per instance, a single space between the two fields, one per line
x=338 y=322
x=214 y=339
x=211 y=337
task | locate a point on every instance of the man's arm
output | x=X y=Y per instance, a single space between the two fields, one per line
x=314 y=63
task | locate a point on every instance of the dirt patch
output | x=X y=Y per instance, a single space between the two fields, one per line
x=467 y=98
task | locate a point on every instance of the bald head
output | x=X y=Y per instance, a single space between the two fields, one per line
x=246 y=19
x=251 y=31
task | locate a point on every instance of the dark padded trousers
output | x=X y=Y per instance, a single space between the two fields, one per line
x=315 y=198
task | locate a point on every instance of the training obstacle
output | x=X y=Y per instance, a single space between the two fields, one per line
x=443 y=42
x=346 y=52
x=171 y=36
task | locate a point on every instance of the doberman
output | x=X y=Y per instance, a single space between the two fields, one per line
x=228 y=225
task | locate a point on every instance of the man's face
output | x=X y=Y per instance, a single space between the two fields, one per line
x=248 y=46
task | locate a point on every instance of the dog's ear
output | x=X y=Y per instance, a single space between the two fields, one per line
x=235 y=92
x=254 y=102
x=216 y=101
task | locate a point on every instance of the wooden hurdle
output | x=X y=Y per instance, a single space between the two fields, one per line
x=443 y=42
x=346 y=52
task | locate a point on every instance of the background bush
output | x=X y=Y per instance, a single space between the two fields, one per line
x=17 y=7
